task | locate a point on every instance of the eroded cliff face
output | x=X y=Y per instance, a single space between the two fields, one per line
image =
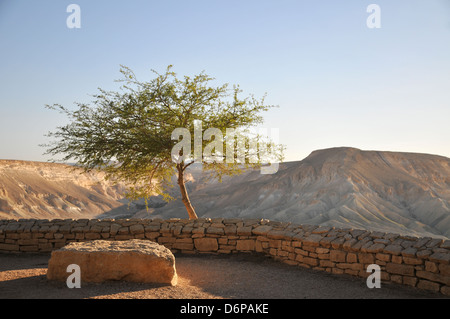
x=48 y=190
x=406 y=193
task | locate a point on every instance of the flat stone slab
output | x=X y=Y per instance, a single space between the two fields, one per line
x=101 y=260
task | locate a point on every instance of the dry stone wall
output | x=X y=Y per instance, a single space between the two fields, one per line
x=419 y=262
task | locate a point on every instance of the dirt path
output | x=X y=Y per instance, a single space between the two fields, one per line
x=204 y=276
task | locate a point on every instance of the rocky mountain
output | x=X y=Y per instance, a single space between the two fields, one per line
x=48 y=191
x=406 y=193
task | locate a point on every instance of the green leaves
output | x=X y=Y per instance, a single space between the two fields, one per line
x=127 y=134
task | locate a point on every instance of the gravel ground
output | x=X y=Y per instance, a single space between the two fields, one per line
x=243 y=276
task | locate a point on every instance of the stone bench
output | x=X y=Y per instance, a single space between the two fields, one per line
x=101 y=260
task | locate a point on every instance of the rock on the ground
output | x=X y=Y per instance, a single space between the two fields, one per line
x=100 y=260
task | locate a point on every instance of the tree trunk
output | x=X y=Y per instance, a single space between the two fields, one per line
x=184 y=195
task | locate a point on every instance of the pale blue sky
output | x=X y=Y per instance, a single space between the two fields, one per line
x=337 y=82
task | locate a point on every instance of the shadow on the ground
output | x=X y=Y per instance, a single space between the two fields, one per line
x=29 y=260
x=241 y=276
x=257 y=276
x=38 y=287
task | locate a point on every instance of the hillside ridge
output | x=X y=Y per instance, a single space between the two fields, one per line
x=400 y=192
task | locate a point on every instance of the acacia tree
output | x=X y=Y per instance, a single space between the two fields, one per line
x=129 y=134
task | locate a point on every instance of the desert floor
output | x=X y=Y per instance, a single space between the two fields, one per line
x=23 y=276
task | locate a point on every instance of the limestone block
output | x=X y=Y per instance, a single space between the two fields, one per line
x=100 y=260
x=206 y=244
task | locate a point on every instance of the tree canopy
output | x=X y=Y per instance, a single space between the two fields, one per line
x=133 y=134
